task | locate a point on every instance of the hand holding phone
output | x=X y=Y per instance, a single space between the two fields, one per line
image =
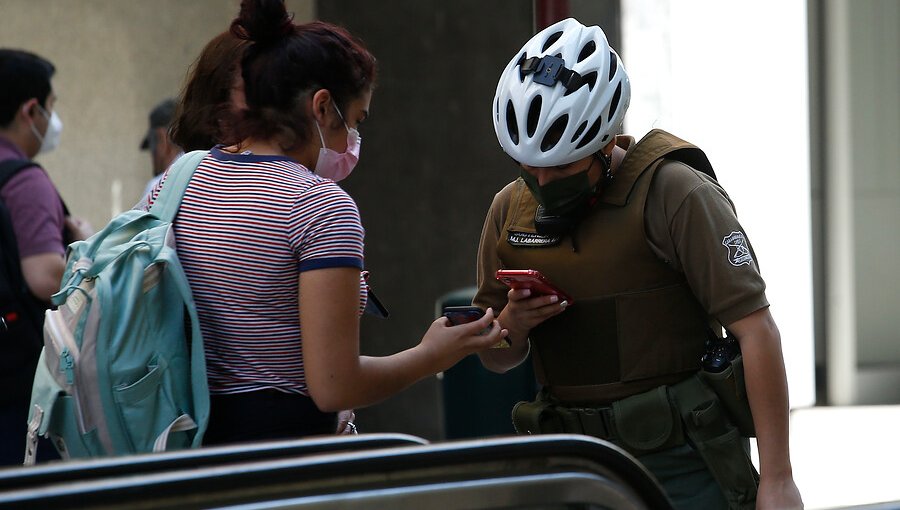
x=458 y=315
x=532 y=279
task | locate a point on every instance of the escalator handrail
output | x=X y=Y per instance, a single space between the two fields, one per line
x=330 y=465
x=87 y=469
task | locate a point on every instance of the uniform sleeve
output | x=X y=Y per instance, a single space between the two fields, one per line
x=36 y=211
x=692 y=225
x=325 y=229
x=491 y=292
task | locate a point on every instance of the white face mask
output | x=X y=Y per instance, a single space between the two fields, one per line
x=50 y=138
x=337 y=166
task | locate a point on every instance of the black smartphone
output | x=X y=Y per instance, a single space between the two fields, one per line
x=465 y=314
x=462 y=314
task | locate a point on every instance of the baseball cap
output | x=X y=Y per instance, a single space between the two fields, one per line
x=160 y=116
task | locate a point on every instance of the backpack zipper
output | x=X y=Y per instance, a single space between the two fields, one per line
x=67 y=355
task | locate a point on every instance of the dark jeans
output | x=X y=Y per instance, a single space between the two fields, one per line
x=13 y=426
x=265 y=415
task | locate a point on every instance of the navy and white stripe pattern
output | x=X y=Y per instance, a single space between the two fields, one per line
x=247 y=226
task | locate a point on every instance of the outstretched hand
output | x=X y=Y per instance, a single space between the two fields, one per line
x=449 y=344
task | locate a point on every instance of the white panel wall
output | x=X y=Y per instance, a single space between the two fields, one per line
x=731 y=77
x=873 y=99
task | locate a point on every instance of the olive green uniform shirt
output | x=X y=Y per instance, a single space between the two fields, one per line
x=690 y=224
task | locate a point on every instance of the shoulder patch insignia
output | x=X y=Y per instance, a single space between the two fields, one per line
x=738 y=249
x=532 y=239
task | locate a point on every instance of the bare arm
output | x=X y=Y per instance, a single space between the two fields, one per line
x=43 y=273
x=768 y=394
x=338 y=377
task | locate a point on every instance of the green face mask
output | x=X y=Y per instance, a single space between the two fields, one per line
x=562 y=195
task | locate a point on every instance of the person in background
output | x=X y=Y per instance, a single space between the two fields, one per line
x=163 y=150
x=273 y=247
x=212 y=94
x=42 y=227
x=649 y=247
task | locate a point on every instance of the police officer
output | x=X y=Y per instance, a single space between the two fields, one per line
x=647 y=244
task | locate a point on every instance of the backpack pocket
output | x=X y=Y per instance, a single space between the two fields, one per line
x=149 y=401
x=52 y=415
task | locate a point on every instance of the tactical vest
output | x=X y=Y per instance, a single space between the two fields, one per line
x=634 y=324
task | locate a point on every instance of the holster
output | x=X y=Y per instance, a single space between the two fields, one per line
x=729 y=386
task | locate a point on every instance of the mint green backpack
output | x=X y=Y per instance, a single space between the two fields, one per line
x=122 y=369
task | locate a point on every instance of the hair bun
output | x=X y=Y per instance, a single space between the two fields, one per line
x=263 y=21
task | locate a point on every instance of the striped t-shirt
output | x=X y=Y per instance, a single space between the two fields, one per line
x=247 y=226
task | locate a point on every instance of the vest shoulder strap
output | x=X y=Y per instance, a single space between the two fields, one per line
x=646 y=154
x=661 y=144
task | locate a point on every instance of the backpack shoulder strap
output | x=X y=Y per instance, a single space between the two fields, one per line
x=11 y=167
x=165 y=207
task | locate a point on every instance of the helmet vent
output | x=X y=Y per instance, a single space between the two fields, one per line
x=613 y=64
x=550 y=40
x=534 y=115
x=591 y=133
x=554 y=133
x=578 y=131
x=614 y=103
x=511 y=126
x=590 y=79
x=589 y=48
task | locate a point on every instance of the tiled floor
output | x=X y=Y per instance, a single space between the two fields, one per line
x=847 y=456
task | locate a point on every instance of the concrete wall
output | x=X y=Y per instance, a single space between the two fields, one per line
x=115 y=60
x=430 y=166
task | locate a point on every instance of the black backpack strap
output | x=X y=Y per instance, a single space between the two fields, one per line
x=21 y=315
x=11 y=167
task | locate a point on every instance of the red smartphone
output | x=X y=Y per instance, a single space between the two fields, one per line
x=531 y=279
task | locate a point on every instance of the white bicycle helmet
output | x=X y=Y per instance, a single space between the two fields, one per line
x=562 y=97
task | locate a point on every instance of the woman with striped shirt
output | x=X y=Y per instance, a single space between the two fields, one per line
x=273 y=248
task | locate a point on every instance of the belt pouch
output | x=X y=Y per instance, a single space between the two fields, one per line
x=538 y=417
x=647 y=422
x=729 y=386
x=718 y=441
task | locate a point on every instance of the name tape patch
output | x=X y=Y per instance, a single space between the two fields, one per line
x=532 y=239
